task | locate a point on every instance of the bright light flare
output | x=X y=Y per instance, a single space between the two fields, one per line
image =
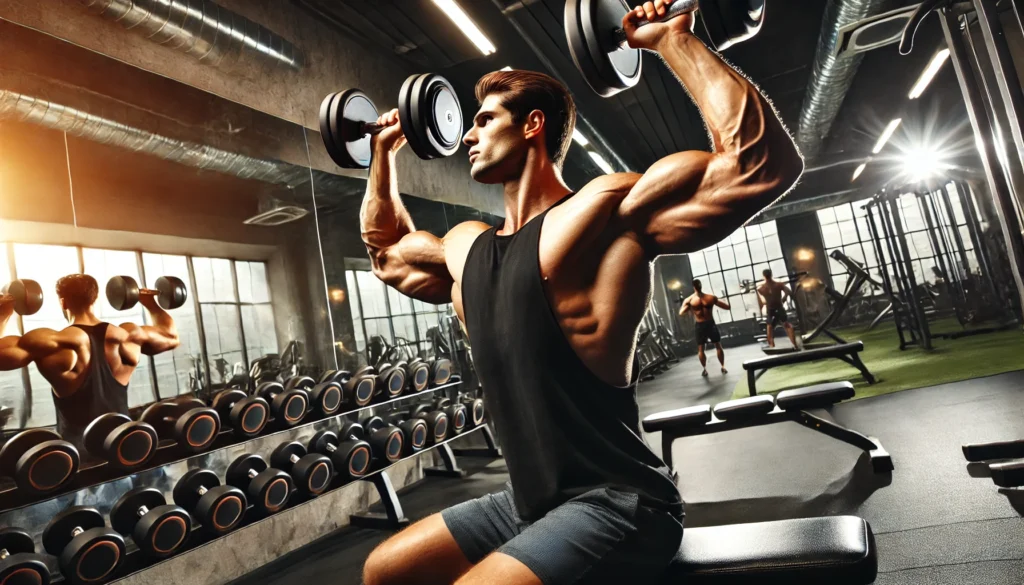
x=922 y=164
x=886 y=135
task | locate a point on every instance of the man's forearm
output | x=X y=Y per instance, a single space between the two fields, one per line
x=383 y=219
x=738 y=117
x=163 y=322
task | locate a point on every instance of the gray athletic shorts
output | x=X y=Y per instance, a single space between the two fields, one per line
x=602 y=536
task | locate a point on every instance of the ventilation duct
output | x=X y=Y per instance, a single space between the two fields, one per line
x=201 y=28
x=831 y=74
x=24 y=108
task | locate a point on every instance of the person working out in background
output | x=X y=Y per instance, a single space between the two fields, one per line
x=702 y=306
x=552 y=302
x=769 y=296
x=89 y=363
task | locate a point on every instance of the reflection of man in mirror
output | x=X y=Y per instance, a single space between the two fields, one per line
x=89 y=363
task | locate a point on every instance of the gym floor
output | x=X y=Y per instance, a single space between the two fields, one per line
x=934 y=522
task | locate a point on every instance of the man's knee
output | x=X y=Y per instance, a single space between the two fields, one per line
x=384 y=565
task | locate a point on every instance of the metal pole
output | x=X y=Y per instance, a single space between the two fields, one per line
x=197 y=306
x=238 y=310
x=983 y=135
x=1005 y=73
x=957 y=238
x=918 y=309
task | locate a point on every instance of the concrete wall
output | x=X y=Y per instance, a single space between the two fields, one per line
x=332 y=63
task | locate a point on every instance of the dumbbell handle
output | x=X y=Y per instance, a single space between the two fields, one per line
x=202 y=491
x=4 y=554
x=76 y=531
x=142 y=511
x=675 y=9
x=371 y=128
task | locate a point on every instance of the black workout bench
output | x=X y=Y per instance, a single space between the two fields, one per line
x=844 y=351
x=836 y=550
x=789 y=405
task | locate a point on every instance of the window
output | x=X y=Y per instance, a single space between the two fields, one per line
x=257 y=314
x=725 y=267
x=845 y=228
x=173 y=367
x=381 y=310
x=218 y=304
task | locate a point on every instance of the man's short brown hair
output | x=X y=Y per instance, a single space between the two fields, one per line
x=525 y=91
x=79 y=291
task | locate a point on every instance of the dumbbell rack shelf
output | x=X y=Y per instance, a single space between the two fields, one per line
x=12 y=498
x=135 y=561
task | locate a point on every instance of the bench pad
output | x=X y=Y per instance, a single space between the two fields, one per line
x=745 y=408
x=817 y=396
x=680 y=418
x=807 y=355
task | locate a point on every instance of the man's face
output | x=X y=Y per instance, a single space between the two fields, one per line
x=497 y=147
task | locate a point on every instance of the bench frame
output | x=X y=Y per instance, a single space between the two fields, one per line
x=881 y=461
x=851 y=358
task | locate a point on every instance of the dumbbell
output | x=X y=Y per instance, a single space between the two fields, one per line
x=437 y=422
x=120 y=441
x=358 y=388
x=86 y=550
x=27 y=296
x=288 y=406
x=247 y=415
x=386 y=441
x=598 y=44
x=123 y=292
x=267 y=488
x=390 y=382
x=415 y=431
x=218 y=508
x=187 y=421
x=158 y=528
x=428 y=109
x=311 y=472
x=476 y=414
x=440 y=371
x=38 y=460
x=19 y=563
x=458 y=415
x=417 y=375
x=351 y=457
x=324 y=397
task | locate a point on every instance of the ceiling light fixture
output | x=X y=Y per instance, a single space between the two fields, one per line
x=929 y=73
x=601 y=162
x=886 y=135
x=580 y=138
x=858 y=171
x=466 y=24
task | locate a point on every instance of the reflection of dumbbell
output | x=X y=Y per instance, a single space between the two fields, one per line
x=415 y=431
x=324 y=397
x=219 y=508
x=123 y=292
x=351 y=456
x=437 y=422
x=119 y=440
x=246 y=414
x=288 y=406
x=311 y=473
x=390 y=381
x=38 y=460
x=358 y=388
x=158 y=528
x=19 y=563
x=457 y=414
x=86 y=550
x=387 y=441
x=475 y=410
x=440 y=371
x=417 y=375
x=266 y=487
x=27 y=296
x=189 y=422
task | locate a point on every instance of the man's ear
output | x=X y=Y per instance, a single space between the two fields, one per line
x=534 y=124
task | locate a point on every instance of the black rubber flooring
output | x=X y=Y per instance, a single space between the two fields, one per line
x=934 y=522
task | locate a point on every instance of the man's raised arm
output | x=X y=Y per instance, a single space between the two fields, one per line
x=689 y=200
x=410 y=261
x=153 y=339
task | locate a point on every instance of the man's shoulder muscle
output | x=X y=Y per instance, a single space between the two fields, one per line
x=457 y=243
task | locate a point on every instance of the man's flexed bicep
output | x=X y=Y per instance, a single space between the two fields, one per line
x=415 y=266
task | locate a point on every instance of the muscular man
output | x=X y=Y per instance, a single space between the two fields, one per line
x=769 y=295
x=702 y=305
x=89 y=363
x=552 y=302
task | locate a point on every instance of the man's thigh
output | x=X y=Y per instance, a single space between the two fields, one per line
x=603 y=536
x=424 y=553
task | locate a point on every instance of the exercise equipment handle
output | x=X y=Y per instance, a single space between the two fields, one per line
x=371 y=128
x=677 y=8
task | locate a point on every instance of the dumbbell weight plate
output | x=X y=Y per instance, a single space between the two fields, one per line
x=420 y=377
x=92 y=555
x=171 y=292
x=38 y=460
x=28 y=297
x=349 y=111
x=732 y=22
x=248 y=415
x=219 y=510
x=22 y=566
x=120 y=441
x=122 y=292
x=413 y=132
x=325 y=127
x=160 y=531
x=435 y=108
x=326 y=397
x=299 y=382
x=619 y=68
x=197 y=429
x=312 y=472
x=271 y=487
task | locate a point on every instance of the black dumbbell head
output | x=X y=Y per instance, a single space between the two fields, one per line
x=441 y=371
x=311 y=472
x=219 y=509
x=457 y=417
x=90 y=556
x=415 y=432
x=38 y=460
x=300 y=382
x=289 y=406
x=360 y=389
x=171 y=292
x=372 y=423
x=476 y=412
x=418 y=377
x=197 y=429
x=21 y=566
x=28 y=297
x=268 y=490
x=247 y=415
x=438 y=424
x=326 y=398
x=122 y=292
x=160 y=530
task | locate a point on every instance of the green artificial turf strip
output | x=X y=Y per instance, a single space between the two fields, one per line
x=951 y=360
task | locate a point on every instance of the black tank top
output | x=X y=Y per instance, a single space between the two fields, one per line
x=563 y=430
x=99 y=393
